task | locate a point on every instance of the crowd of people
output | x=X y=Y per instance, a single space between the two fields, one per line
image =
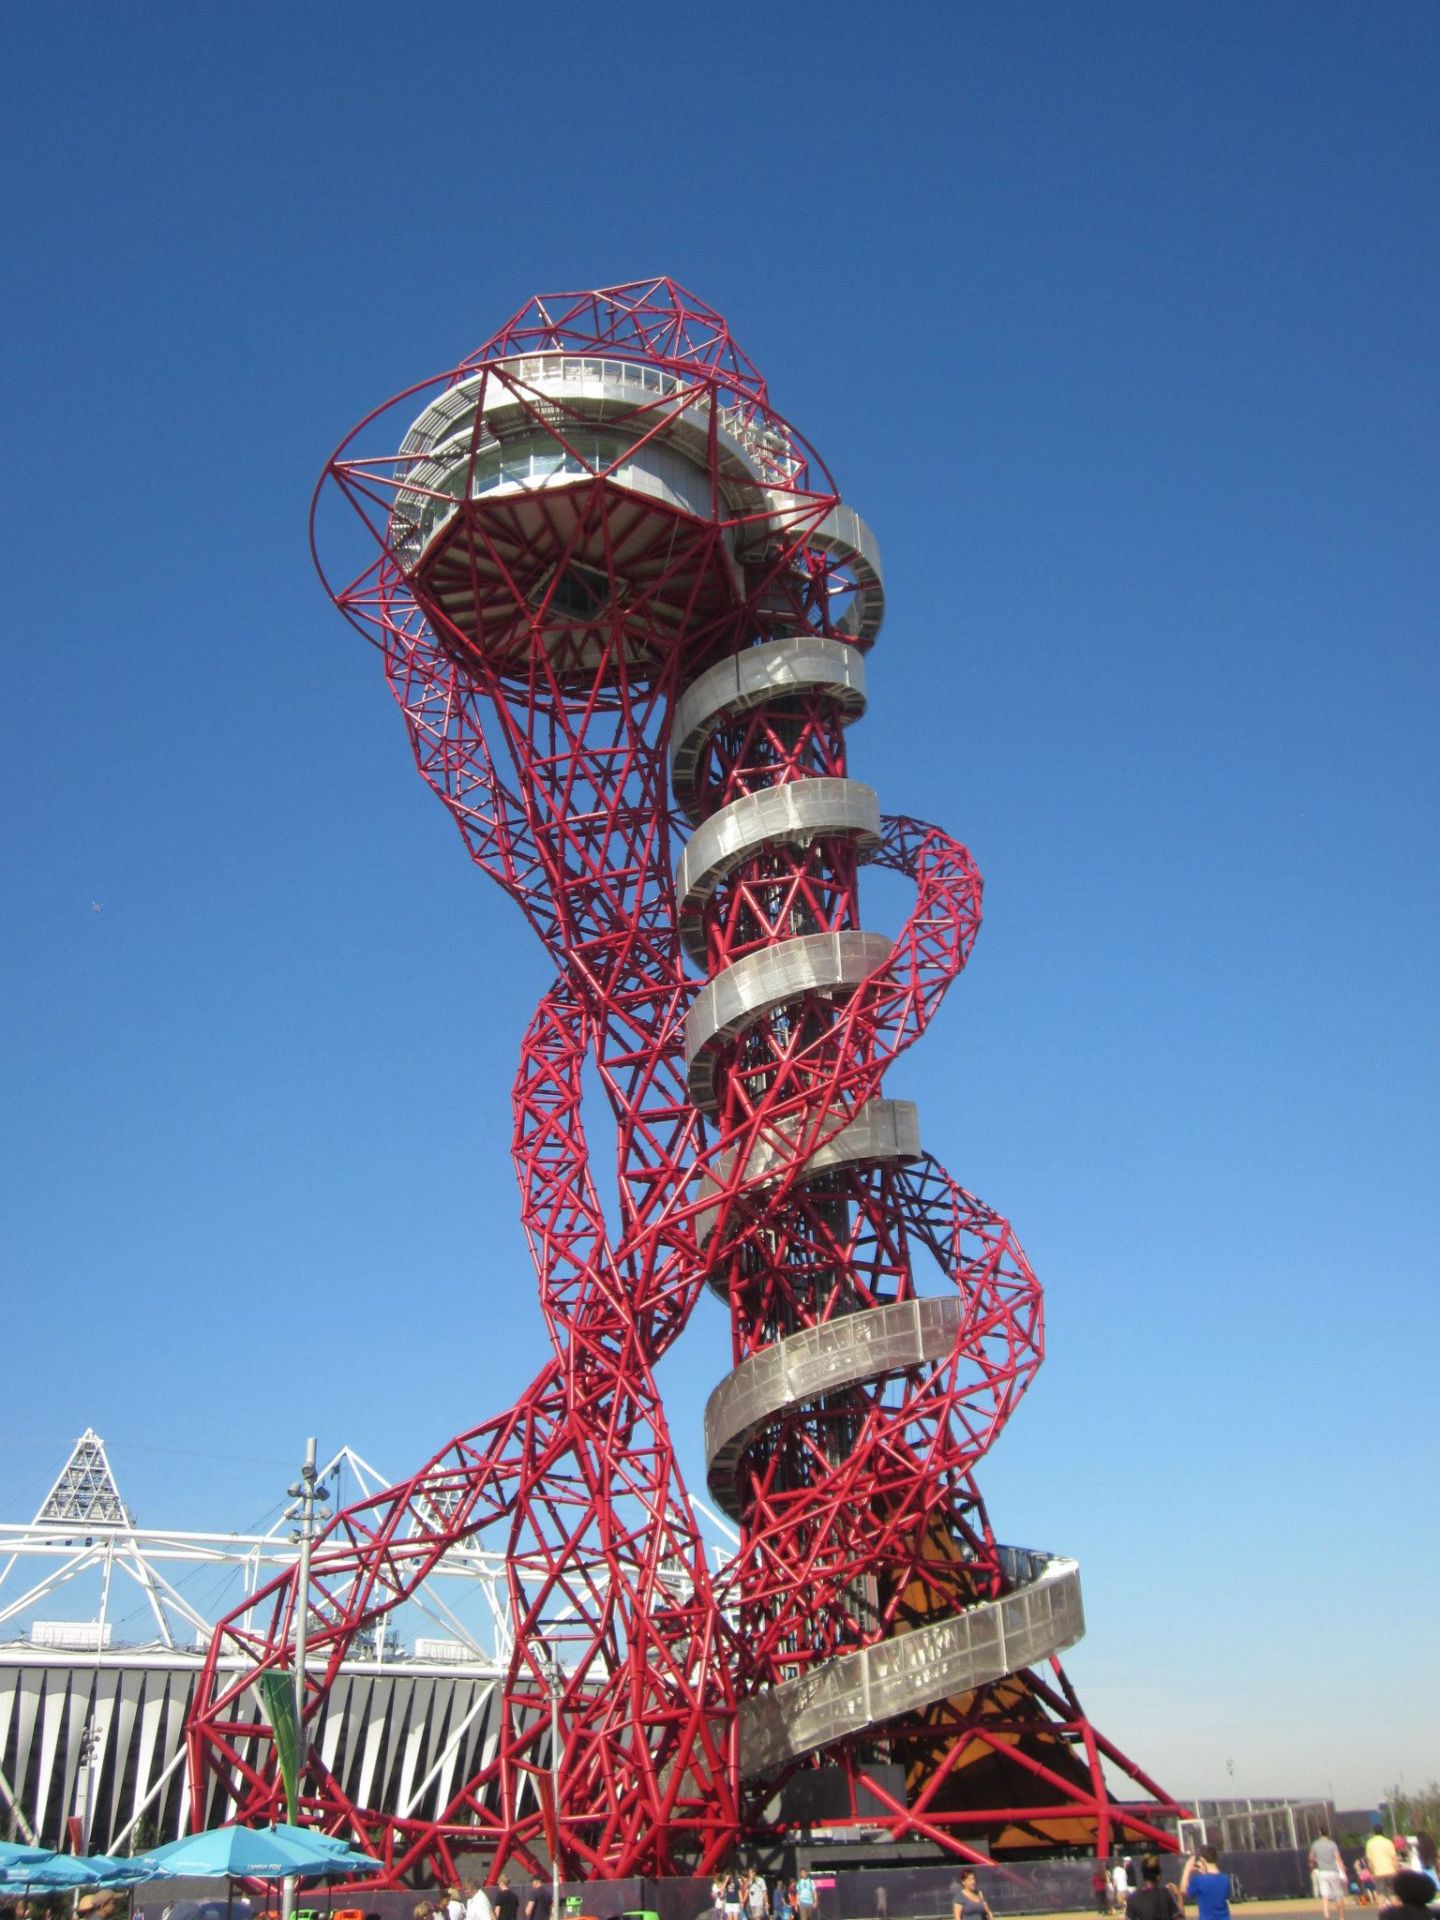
x=744 y=1894
x=1396 y=1870
x=1396 y=1874
x=470 y=1900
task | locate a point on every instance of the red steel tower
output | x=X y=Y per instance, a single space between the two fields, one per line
x=620 y=602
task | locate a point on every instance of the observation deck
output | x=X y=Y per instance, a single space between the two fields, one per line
x=495 y=488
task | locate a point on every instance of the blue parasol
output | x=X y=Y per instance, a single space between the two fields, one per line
x=115 y=1870
x=256 y=1853
x=342 y=1857
x=12 y=1854
x=51 y=1872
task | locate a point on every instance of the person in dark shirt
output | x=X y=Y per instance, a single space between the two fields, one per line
x=537 y=1907
x=1151 y=1901
x=504 y=1901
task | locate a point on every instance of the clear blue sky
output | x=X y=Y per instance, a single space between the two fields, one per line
x=1118 y=324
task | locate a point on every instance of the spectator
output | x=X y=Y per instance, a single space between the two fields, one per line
x=1152 y=1901
x=1425 y=1856
x=1380 y=1858
x=1414 y=1891
x=734 y=1895
x=1328 y=1871
x=1211 y=1886
x=970 y=1903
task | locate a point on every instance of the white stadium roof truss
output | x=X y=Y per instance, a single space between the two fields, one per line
x=92 y=1716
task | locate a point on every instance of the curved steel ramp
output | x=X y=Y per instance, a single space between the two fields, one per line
x=856 y=1691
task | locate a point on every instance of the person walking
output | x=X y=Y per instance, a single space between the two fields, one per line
x=1327 y=1868
x=757 y=1896
x=1211 y=1887
x=734 y=1895
x=806 y=1903
x=1100 y=1886
x=1119 y=1886
x=505 y=1901
x=970 y=1903
x=477 y=1901
x=537 y=1907
x=1383 y=1865
x=1151 y=1901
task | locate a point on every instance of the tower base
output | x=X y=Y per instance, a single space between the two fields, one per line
x=1011 y=1771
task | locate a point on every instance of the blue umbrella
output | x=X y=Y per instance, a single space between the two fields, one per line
x=113 y=1870
x=12 y=1854
x=254 y=1853
x=340 y=1853
x=55 y=1872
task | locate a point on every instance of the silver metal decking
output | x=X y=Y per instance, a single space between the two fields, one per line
x=853 y=1691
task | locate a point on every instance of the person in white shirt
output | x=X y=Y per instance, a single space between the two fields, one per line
x=477 y=1902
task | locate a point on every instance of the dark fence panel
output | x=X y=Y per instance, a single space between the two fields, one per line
x=880 y=1892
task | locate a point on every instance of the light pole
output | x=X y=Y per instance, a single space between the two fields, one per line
x=306 y=1494
x=550 y=1668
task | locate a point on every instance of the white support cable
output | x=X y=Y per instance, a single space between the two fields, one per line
x=117 y=1840
x=451 y=1747
x=84 y=1558
x=21 y=1818
x=191 y=1615
x=140 y=1571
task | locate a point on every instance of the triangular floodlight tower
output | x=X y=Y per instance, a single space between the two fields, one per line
x=85 y=1492
x=86 y=1496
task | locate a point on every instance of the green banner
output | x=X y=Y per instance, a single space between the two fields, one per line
x=278 y=1695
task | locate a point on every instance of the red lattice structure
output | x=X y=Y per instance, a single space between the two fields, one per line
x=620 y=601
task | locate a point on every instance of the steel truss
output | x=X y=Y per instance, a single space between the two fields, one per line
x=616 y=594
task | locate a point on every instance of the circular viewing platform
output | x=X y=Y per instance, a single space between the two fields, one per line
x=539 y=425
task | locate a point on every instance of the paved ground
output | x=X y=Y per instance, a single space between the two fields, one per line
x=1249 y=1908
